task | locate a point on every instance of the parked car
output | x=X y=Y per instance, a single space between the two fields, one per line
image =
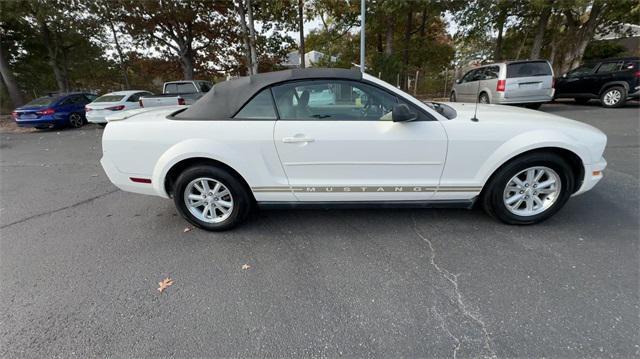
x=56 y=110
x=374 y=145
x=106 y=104
x=529 y=83
x=613 y=81
x=177 y=93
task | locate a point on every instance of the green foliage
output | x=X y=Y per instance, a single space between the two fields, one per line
x=597 y=50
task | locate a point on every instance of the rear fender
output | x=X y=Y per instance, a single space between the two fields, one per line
x=192 y=148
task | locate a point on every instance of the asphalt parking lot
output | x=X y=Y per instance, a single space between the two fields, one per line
x=80 y=263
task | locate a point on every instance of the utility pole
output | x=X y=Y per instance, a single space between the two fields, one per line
x=301 y=19
x=362 y=42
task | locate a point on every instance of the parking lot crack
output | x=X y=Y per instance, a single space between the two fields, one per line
x=453 y=279
x=88 y=200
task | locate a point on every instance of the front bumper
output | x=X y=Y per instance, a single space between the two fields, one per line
x=593 y=173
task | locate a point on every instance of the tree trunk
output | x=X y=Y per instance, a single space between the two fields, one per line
x=252 y=39
x=502 y=17
x=123 y=64
x=388 y=48
x=186 y=62
x=573 y=55
x=379 y=46
x=540 y=30
x=301 y=30
x=245 y=36
x=52 y=53
x=10 y=80
x=405 y=55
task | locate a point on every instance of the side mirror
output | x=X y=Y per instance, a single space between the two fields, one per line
x=402 y=113
x=458 y=81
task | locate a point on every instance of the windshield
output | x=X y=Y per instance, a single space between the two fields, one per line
x=445 y=110
x=109 y=98
x=42 y=101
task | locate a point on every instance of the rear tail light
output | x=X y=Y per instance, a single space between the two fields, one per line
x=140 y=103
x=637 y=74
x=87 y=109
x=501 y=85
x=115 y=108
x=48 y=111
x=181 y=101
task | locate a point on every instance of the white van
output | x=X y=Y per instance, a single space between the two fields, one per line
x=514 y=82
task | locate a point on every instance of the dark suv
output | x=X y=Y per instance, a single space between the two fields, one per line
x=613 y=81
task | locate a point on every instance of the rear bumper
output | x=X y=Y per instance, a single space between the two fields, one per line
x=502 y=100
x=44 y=121
x=123 y=180
x=93 y=118
x=592 y=175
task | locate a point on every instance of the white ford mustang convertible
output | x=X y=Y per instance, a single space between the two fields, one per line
x=330 y=137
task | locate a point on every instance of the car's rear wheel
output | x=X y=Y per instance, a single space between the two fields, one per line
x=614 y=96
x=76 y=120
x=452 y=97
x=581 y=100
x=211 y=198
x=484 y=98
x=529 y=189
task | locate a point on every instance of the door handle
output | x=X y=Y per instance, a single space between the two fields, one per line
x=297 y=139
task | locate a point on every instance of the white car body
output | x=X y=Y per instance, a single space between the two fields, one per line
x=96 y=112
x=347 y=161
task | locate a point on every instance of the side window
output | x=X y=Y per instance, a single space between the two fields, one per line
x=260 y=107
x=580 y=71
x=73 y=100
x=492 y=72
x=171 y=88
x=332 y=100
x=468 y=76
x=479 y=74
x=608 y=67
x=90 y=97
x=134 y=98
x=630 y=65
x=205 y=86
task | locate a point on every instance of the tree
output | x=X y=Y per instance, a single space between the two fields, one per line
x=180 y=29
x=10 y=20
x=544 y=7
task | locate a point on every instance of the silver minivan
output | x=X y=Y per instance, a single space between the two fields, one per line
x=529 y=83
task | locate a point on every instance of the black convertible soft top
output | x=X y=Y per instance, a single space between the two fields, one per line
x=226 y=98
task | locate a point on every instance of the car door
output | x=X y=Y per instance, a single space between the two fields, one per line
x=592 y=83
x=70 y=105
x=336 y=142
x=572 y=81
x=466 y=87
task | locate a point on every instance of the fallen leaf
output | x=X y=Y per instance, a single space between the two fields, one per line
x=246 y=266
x=167 y=282
x=187 y=229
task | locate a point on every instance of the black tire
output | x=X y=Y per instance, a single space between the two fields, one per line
x=492 y=197
x=76 y=120
x=533 y=106
x=102 y=124
x=242 y=200
x=613 y=90
x=581 y=100
x=452 y=97
x=484 y=98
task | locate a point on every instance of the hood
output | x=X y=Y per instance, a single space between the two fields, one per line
x=519 y=120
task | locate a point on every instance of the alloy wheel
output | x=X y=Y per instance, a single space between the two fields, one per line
x=532 y=191
x=612 y=97
x=208 y=200
x=75 y=120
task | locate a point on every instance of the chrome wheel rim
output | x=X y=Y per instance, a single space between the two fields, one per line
x=75 y=120
x=612 y=97
x=532 y=191
x=208 y=200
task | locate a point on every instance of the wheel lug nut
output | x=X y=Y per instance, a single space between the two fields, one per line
x=521 y=192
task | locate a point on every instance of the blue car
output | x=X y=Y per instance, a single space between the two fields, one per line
x=58 y=110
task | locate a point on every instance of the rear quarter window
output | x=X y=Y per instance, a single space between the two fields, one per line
x=528 y=69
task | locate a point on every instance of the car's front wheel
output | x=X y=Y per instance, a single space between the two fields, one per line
x=529 y=189
x=614 y=96
x=452 y=97
x=211 y=198
x=76 y=120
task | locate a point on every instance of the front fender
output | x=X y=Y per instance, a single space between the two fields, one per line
x=192 y=148
x=528 y=141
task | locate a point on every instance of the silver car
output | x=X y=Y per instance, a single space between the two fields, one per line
x=515 y=82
